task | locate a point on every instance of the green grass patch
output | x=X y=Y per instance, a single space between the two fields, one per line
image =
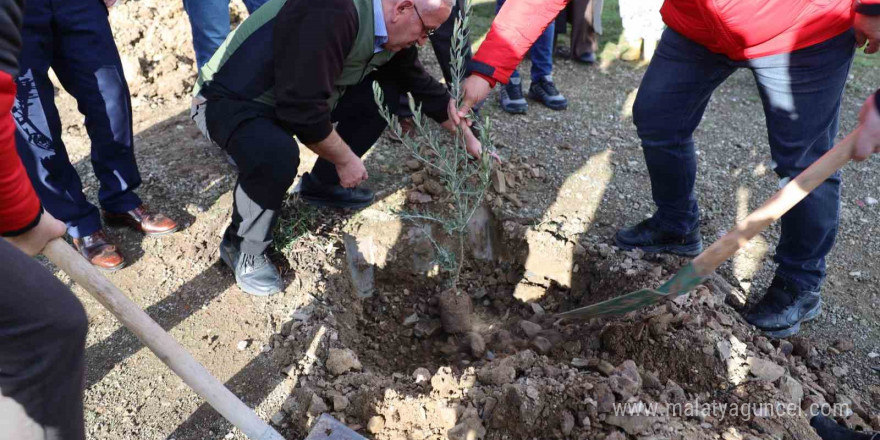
x=297 y=220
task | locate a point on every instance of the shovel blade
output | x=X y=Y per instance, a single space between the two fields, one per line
x=683 y=281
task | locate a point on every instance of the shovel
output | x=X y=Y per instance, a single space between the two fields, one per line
x=161 y=343
x=704 y=264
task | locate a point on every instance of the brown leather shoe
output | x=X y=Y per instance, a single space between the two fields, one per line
x=100 y=252
x=140 y=219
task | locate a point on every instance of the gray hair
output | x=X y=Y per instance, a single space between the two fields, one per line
x=432 y=5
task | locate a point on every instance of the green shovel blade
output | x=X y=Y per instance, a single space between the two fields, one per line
x=683 y=281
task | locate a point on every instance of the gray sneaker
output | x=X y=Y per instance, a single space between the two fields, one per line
x=511 y=97
x=544 y=91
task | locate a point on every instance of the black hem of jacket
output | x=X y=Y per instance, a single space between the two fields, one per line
x=864 y=9
x=29 y=226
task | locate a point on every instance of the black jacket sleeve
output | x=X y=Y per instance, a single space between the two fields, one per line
x=311 y=41
x=405 y=71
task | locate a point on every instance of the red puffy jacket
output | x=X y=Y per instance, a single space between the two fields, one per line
x=19 y=206
x=740 y=29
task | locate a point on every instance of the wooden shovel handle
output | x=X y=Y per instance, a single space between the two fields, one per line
x=161 y=343
x=776 y=206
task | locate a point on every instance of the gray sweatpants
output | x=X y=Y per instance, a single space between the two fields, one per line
x=42 y=342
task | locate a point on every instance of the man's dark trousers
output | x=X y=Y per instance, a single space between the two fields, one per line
x=267 y=157
x=73 y=37
x=801 y=93
x=42 y=343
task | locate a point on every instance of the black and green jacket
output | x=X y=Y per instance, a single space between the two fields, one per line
x=298 y=56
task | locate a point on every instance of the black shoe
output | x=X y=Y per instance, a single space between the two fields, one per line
x=653 y=240
x=254 y=274
x=333 y=196
x=828 y=429
x=544 y=91
x=783 y=308
x=586 y=58
x=511 y=97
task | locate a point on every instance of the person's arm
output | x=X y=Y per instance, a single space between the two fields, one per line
x=514 y=30
x=868 y=139
x=311 y=41
x=867 y=24
x=406 y=70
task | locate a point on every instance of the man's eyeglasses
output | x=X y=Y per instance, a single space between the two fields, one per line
x=428 y=31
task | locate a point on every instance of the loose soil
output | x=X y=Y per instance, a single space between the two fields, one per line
x=568 y=181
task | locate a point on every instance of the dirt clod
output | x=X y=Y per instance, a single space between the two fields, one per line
x=456 y=309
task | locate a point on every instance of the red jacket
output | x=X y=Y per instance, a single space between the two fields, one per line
x=740 y=29
x=19 y=207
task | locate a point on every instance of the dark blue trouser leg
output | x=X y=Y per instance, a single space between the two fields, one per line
x=801 y=94
x=74 y=38
x=670 y=103
x=209 y=20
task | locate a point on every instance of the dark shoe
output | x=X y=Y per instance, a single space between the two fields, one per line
x=254 y=274
x=511 y=97
x=651 y=239
x=141 y=219
x=828 y=429
x=98 y=250
x=333 y=196
x=544 y=91
x=586 y=58
x=783 y=308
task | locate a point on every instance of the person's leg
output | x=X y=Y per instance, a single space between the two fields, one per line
x=541 y=54
x=801 y=94
x=670 y=103
x=441 y=43
x=584 y=43
x=42 y=344
x=209 y=20
x=87 y=64
x=38 y=137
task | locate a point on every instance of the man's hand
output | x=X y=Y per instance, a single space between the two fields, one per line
x=472 y=144
x=351 y=171
x=475 y=90
x=32 y=242
x=868 y=139
x=867 y=30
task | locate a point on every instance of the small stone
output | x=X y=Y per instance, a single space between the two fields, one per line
x=427 y=328
x=242 y=345
x=496 y=374
x=278 y=418
x=499 y=182
x=376 y=424
x=342 y=361
x=567 y=423
x=413 y=164
x=542 y=345
x=565 y=146
x=650 y=380
x=764 y=369
x=792 y=390
x=537 y=309
x=785 y=347
x=870 y=201
x=580 y=363
x=340 y=403
x=476 y=344
x=433 y=187
x=317 y=406
x=419 y=197
x=802 y=347
x=673 y=393
x=605 y=367
x=625 y=380
x=873 y=355
x=411 y=320
x=844 y=345
x=421 y=375
x=530 y=328
x=839 y=371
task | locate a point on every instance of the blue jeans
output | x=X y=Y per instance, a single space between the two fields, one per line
x=541 y=52
x=73 y=37
x=801 y=93
x=210 y=24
